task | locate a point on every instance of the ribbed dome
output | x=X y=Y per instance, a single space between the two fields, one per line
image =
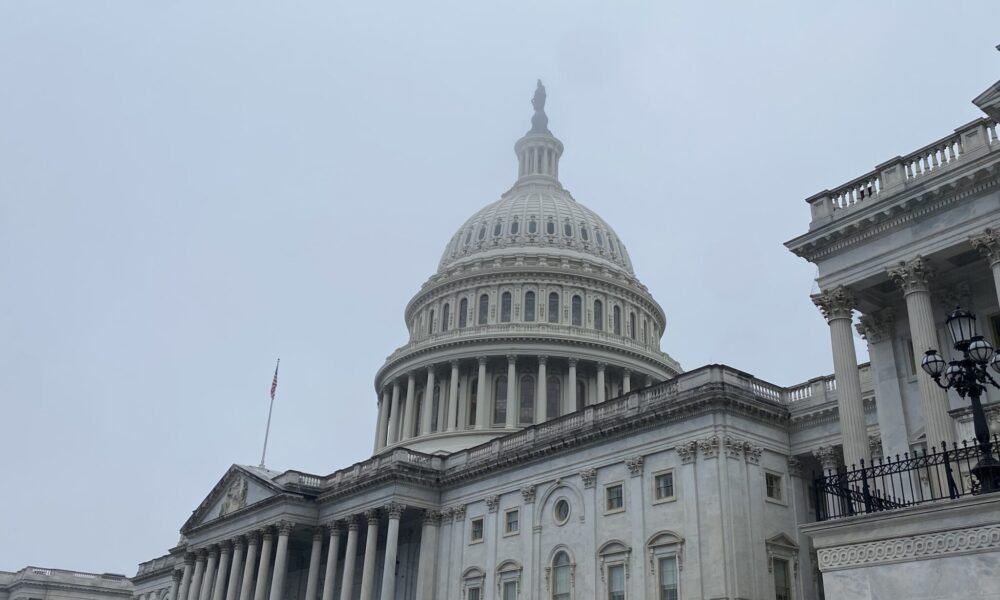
x=536 y=216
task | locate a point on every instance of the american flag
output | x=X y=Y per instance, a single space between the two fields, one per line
x=274 y=382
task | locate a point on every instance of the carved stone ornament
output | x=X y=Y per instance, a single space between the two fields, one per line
x=837 y=303
x=285 y=527
x=334 y=528
x=528 y=494
x=875 y=446
x=752 y=453
x=912 y=276
x=912 y=548
x=394 y=510
x=687 y=451
x=372 y=516
x=235 y=498
x=493 y=503
x=709 y=446
x=352 y=522
x=988 y=244
x=827 y=457
x=634 y=465
x=447 y=514
x=733 y=446
x=589 y=477
x=432 y=517
x=794 y=466
x=876 y=327
x=459 y=513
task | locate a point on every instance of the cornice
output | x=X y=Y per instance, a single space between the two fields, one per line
x=891 y=214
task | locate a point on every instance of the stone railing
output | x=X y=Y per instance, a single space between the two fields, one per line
x=155 y=565
x=62 y=574
x=538 y=329
x=903 y=172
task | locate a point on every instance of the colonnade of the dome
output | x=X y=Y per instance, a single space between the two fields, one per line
x=476 y=395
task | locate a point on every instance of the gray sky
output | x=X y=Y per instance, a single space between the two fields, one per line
x=189 y=190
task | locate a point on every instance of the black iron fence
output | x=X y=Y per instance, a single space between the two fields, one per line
x=902 y=481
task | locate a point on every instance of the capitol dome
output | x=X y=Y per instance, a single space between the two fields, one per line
x=534 y=313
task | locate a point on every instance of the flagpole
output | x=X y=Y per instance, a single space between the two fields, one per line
x=267 y=432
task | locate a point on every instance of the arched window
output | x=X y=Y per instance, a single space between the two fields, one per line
x=500 y=401
x=550 y=227
x=463 y=313
x=430 y=323
x=418 y=409
x=631 y=325
x=553 y=397
x=515 y=226
x=553 y=307
x=584 y=233
x=435 y=406
x=581 y=394
x=577 y=311
x=529 y=306
x=527 y=416
x=445 y=315
x=598 y=315
x=600 y=238
x=497 y=229
x=468 y=237
x=484 y=309
x=567 y=229
x=473 y=400
x=560 y=576
x=532 y=226
x=482 y=232
x=618 y=320
x=505 y=307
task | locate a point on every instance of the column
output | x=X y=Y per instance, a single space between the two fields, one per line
x=264 y=569
x=209 y=576
x=571 y=388
x=312 y=579
x=347 y=582
x=428 y=553
x=453 y=396
x=253 y=541
x=482 y=406
x=827 y=456
x=511 y=391
x=541 y=400
x=626 y=381
x=383 y=420
x=239 y=546
x=876 y=328
x=175 y=583
x=393 y=435
x=225 y=554
x=371 y=549
x=442 y=411
x=330 y=575
x=988 y=244
x=199 y=570
x=281 y=561
x=394 y=511
x=914 y=278
x=411 y=391
x=837 y=306
x=601 y=397
x=182 y=592
x=428 y=407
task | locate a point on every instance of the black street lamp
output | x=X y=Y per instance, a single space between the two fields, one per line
x=969 y=377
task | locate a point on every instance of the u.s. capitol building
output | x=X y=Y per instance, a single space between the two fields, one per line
x=533 y=440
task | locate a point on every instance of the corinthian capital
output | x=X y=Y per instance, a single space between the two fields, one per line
x=394 y=510
x=877 y=326
x=988 y=244
x=912 y=276
x=837 y=303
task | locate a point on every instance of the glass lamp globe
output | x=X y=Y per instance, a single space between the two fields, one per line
x=995 y=363
x=980 y=350
x=962 y=325
x=953 y=370
x=933 y=364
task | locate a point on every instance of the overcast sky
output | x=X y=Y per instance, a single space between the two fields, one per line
x=192 y=189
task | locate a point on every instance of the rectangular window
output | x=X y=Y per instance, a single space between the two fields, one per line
x=616 y=582
x=663 y=486
x=773 y=484
x=476 y=532
x=667 y=575
x=782 y=589
x=473 y=593
x=511 y=522
x=614 y=496
x=510 y=590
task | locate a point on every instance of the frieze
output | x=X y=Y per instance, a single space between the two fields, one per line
x=973 y=539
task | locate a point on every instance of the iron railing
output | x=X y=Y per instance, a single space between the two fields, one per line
x=902 y=481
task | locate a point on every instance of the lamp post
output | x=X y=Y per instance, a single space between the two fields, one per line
x=969 y=376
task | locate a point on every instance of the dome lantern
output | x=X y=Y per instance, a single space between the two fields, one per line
x=538 y=151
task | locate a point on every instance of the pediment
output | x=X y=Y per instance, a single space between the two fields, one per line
x=239 y=488
x=782 y=541
x=989 y=101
